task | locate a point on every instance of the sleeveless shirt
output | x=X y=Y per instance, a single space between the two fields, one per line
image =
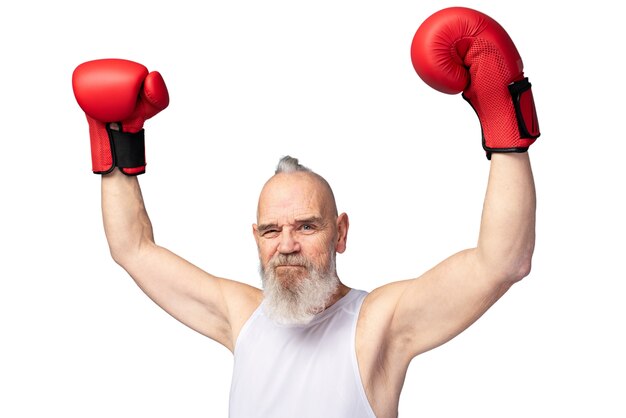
x=300 y=371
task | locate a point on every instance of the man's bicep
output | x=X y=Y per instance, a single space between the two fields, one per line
x=443 y=302
x=192 y=296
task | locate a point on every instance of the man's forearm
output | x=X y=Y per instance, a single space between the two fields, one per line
x=126 y=223
x=507 y=232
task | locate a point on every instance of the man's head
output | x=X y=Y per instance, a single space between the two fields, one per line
x=298 y=233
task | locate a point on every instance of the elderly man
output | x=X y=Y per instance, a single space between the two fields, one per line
x=308 y=345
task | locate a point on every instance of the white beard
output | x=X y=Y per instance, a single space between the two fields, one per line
x=296 y=300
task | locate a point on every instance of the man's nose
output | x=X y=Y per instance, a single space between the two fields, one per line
x=288 y=244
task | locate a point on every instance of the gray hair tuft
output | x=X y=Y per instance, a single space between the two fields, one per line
x=288 y=164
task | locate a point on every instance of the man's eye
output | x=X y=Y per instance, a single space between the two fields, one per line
x=270 y=233
x=307 y=228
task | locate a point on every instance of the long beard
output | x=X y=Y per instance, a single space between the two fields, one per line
x=297 y=296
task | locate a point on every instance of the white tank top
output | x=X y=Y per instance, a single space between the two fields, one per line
x=300 y=371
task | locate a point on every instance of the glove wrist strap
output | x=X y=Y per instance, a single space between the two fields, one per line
x=129 y=149
x=525 y=111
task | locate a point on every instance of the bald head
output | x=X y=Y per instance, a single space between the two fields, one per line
x=296 y=187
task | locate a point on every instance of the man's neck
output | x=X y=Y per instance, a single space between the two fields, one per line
x=342 y=290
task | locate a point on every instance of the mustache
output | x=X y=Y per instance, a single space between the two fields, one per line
x=289 y=260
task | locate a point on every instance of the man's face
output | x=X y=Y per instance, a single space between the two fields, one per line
x=298 y=234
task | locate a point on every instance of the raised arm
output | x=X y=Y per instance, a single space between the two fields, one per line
x=459 y=49
x=117 y=97
x=447 y=299
x=213 y=306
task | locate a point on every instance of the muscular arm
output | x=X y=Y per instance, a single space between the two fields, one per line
x=428 y=311
x=212 y=306
x=455 y=293
x=401 y=320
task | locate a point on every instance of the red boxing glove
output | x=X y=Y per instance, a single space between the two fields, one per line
x=118 y=96
x=459 y=49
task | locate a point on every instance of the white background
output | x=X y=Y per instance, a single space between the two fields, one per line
x=331 y=83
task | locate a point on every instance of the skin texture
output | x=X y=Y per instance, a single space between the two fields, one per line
x=297 y=215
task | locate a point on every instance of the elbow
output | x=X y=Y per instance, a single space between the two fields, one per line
x=118 y=254
x=124 y=253
x=508 y=269
x=518 y=267
x=126 y=248
x=522 y=270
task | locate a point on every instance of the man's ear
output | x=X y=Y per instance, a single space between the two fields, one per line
x=343 y=224
x=256 y=235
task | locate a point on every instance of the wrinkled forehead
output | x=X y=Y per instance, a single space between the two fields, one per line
x=295 y=194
